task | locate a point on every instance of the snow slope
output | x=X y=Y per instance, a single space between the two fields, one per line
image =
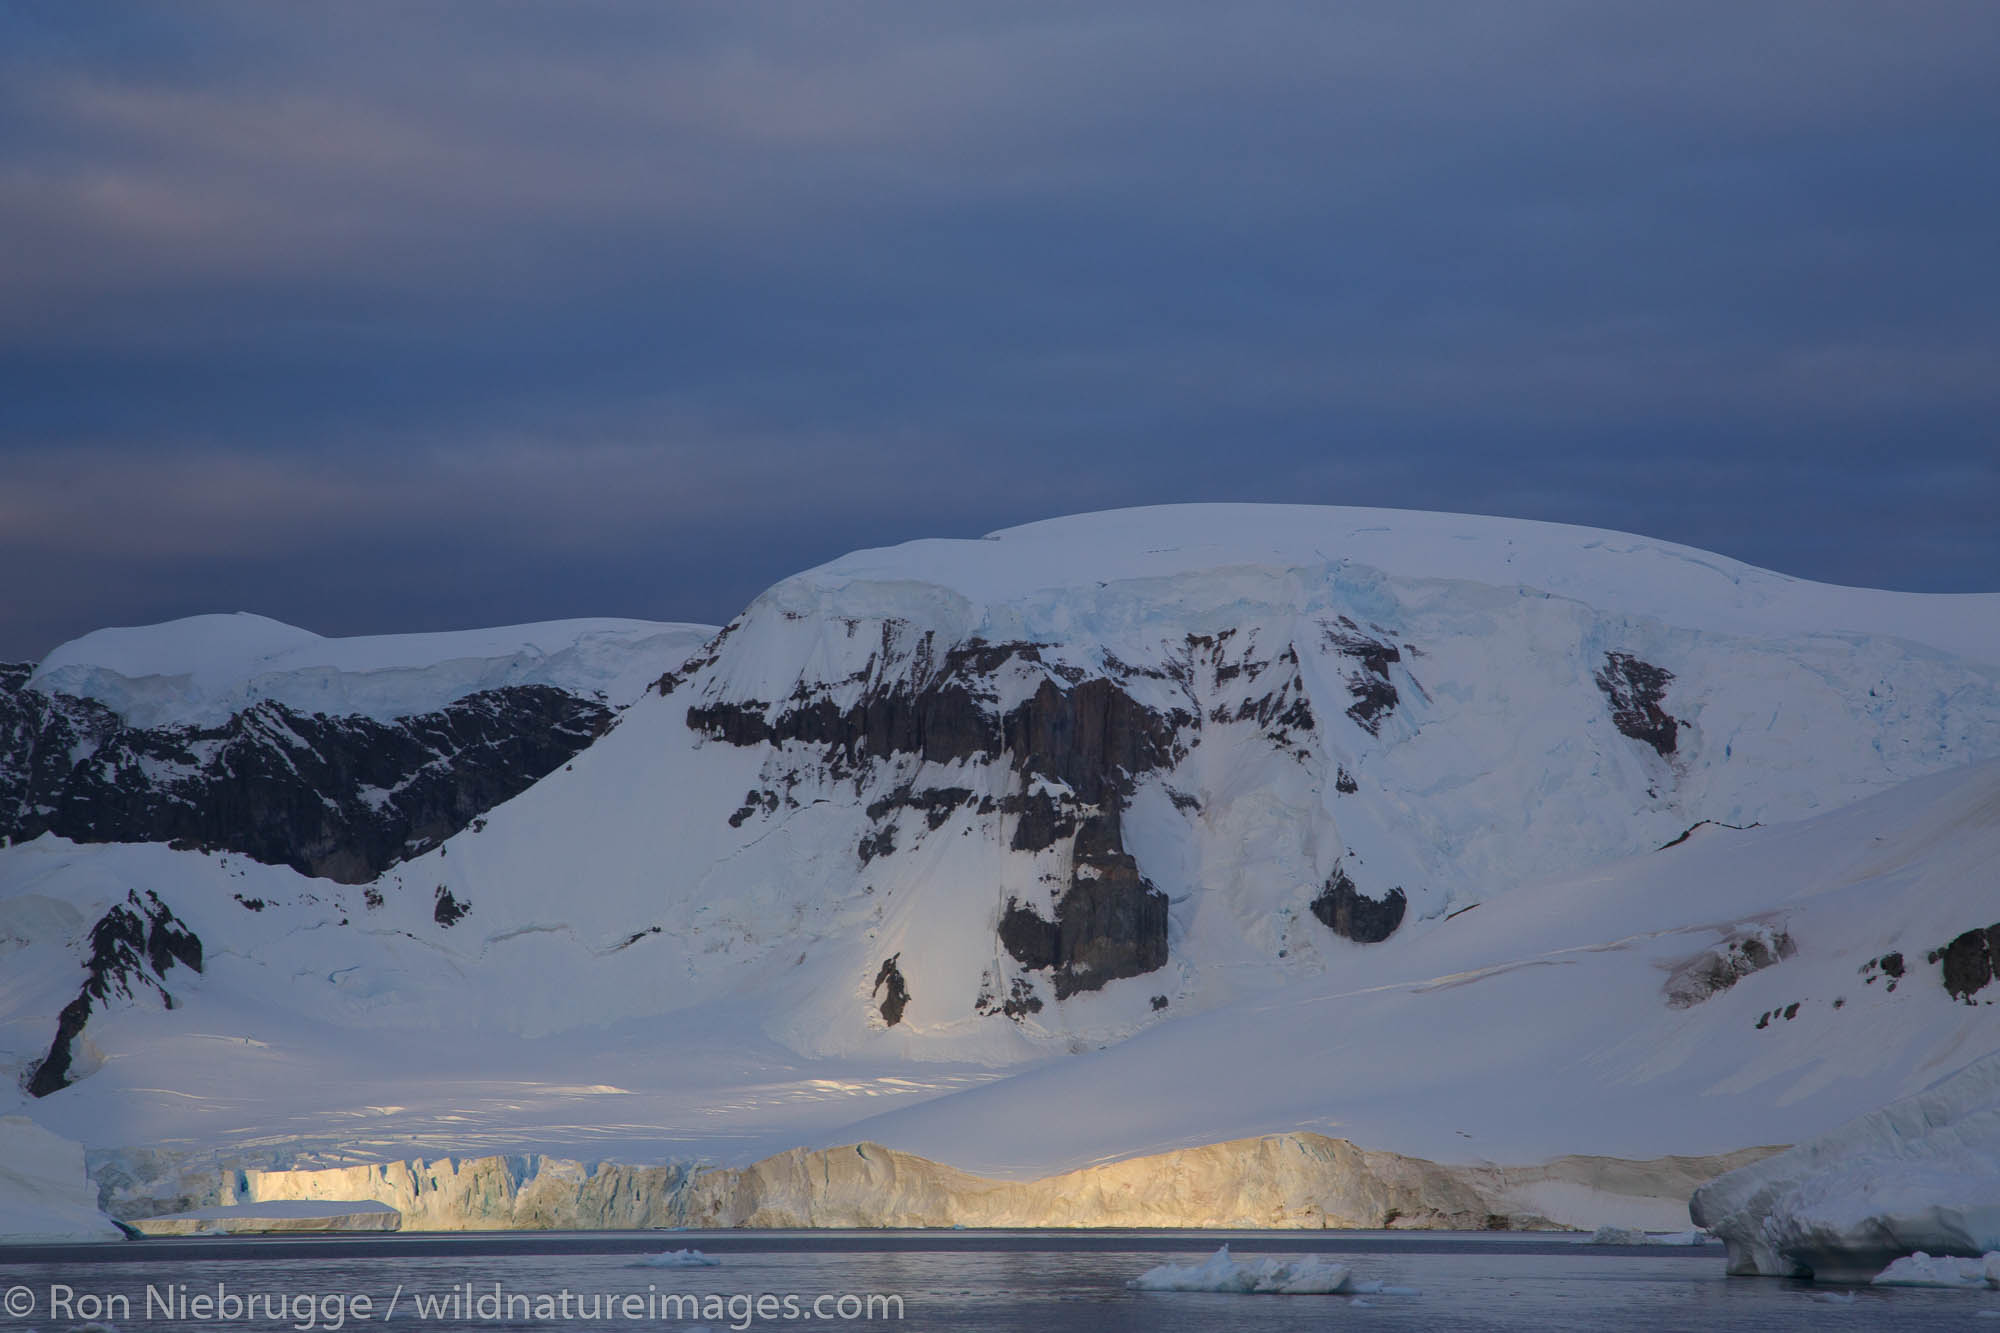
x=202 y=669
x=1006 y=852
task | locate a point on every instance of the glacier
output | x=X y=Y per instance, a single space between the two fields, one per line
x=1283 y=1181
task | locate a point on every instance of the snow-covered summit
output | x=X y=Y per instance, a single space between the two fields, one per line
x=1641 y=577
x=203 y=669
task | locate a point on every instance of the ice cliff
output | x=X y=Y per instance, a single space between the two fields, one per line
x=1281 y=1181
x=1921 y=1174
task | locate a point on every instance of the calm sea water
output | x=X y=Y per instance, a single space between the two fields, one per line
x=1036 y=1283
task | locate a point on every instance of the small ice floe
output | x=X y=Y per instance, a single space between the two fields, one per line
x=1944 y=1270
x=1832 y=1297
x=1633 y=1236
x=1310 y=1276
x=678 y=1259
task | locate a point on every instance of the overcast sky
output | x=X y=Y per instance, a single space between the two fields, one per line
x=396 y=317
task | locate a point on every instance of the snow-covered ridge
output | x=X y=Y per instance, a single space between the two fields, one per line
x=1609 y=571
x=203 y=669
x=976 y=849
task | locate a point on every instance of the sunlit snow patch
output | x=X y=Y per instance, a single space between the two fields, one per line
x=1943 y=1270
x=1310 y=1276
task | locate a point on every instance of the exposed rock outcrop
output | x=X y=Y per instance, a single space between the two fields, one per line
x=1075 y=743
x=895 y=993
x=1727 y=962
x=1346 y=911
x=1634 y=690
x=1109 y=923
x=1969 y=962
x=132 y=947
x=343 y=798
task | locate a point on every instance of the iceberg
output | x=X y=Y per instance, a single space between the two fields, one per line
x=1633 y=1236
x=1920 y=1175
x=1943 y=1270
x=678 y=1259
x=1310 y=1276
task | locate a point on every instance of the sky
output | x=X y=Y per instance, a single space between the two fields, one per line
x=380 y=318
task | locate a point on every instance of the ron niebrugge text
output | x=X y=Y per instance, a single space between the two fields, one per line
x=469 y=1302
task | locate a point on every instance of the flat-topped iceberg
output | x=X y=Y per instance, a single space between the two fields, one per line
x=279 y=1215
x=1920 y=1175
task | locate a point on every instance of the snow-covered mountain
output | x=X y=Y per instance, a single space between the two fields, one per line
x=335 y=757
x=1033 y=829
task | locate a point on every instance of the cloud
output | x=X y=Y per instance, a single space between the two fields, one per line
x=578 y=290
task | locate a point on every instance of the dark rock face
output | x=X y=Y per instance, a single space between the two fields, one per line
x=1970 y=962
x=1889 y=965
x=1374 y=695
x=890 y=978
x=1634 y=690
x=1091 y=735
x=1344 y=910
x=1041 y=820
x=1110 y=922
x=449 y=911
x=934 y=803
x=343 y=798
x=1081 y=733
x=1020 y=1002
x=1030 y=939
x=132 y=947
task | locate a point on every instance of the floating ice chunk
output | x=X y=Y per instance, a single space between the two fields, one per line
x=1310 y=1276
x=1943 y=1270
x=1832 y=1297
x=678 y=1259
x=1633 y=1236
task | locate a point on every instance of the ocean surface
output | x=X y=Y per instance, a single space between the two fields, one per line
x=1036 y=1282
